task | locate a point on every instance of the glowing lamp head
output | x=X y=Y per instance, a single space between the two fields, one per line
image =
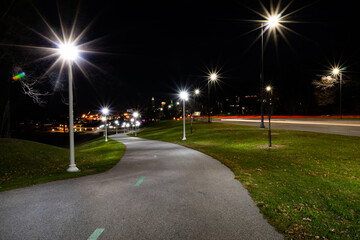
x=135 y=114
x=273 y=21
x=268 y=88
x=184 y=95
x=197 y=91
x=213 y=77
x=68 y=51
x=336 y=71
x=105 y=111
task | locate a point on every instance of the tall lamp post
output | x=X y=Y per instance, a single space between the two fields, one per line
x=105 y=111
x=69 y=53
x=116 y=126
x=135 y=115
x=271 y=22
x=212 y=78
x=338 y=72
x=184 y=96
x=196 y=93
x=269 y=90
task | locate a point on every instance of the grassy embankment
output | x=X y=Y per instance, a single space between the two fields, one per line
x=24 y=163
x=308 y=187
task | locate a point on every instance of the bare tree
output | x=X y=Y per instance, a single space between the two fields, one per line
x=325 y=89
x=31 y=85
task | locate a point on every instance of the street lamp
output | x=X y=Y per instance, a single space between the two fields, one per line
x=135 y=115
x=212 y=78
x=184 y=96
x=196 y=93
x=132 y=124
x=337 y=71
x=105 y=111
x=269 y=90
x=69 y=53
x=270 y=23
x=116 y=125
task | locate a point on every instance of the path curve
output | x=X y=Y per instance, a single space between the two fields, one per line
x=158 y=191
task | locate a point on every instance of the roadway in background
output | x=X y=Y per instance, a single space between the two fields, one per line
x=332 y=126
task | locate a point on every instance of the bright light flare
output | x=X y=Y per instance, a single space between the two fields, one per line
x=213 y=77
x=273 y=21
x=268 y=88
x=135 y=114
x=197 y=91
x=105 y=111
x=184 y=95
x=68 y=51
x=336 y=71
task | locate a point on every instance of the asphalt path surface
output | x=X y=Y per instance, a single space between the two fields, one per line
x=344 y=127
x=158 y=191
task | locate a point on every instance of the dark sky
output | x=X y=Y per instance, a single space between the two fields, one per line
x=153 y=48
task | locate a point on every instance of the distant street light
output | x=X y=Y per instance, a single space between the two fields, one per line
x=337 y=71
x=184 y=96
x=136 y=115
x=271 y=22
x=196 y=93
x=212 y=78
x=105 y=111
x=69 y=53
x=269 y=90
x=116 y=125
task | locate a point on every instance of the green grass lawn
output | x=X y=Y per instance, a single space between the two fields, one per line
x=24 y=163
x=309 y=188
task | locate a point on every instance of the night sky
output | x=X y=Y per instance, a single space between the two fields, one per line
x=154 y=48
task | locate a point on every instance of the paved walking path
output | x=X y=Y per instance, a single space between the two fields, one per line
x=158 y=191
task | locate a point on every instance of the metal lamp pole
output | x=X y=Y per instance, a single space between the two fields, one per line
x=105 y=111
x=269 y=90
x=340 y=95
x=262 y=78
x=197 y=92
x=184 y=96
x=72 y=166
x=213 y=77
x=337 y=71
x=208 y=108
x=184 y=137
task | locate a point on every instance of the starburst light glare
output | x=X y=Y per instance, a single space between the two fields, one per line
x=68 y=51
x=268 y=88
x=273 y=21
x=197 y=91
x=184 y=95
x=336 y=71
x=136 y=114
x=105 y=111
x=213 y=76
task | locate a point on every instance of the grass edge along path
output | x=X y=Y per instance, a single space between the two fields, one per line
x=307 y=189
x=25 y=163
